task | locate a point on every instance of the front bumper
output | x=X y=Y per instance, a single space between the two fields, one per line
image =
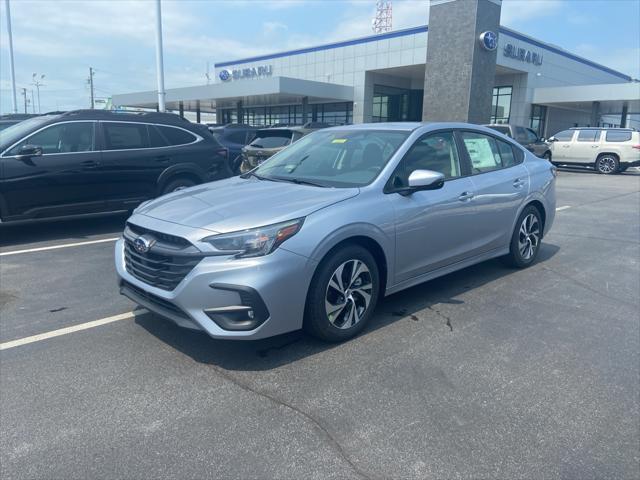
x=279 y=280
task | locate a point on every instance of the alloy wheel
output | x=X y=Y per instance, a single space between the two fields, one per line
x=348 y=294
x=607 y=165
x=529 y=236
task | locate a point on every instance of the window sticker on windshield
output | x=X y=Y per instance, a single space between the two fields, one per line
x=339 y=140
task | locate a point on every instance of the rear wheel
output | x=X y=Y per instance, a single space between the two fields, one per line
x=607 y=164
x=526 y=239
x=343 y=294
x=178 y=184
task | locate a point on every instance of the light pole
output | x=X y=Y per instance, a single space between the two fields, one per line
x=159 y=60
x=37 y=82
x=12 y=71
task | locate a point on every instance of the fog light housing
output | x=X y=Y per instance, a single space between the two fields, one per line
x=248 y=315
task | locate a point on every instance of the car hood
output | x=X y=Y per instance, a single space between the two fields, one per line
x=237 y=203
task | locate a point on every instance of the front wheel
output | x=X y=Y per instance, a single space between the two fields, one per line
x=607 y=164
x=343 y=294
x=526 y=239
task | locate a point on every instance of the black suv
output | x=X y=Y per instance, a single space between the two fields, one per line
x=525 y=137
x=233 y=137
x=90 y=161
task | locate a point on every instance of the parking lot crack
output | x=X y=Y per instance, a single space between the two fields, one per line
x=317 y=424
x=441 y=315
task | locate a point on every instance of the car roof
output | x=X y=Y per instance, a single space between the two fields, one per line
x=126 y=116
x=412 y=126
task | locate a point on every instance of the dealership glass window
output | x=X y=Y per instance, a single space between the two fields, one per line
x=501 y=105
x=538 y=116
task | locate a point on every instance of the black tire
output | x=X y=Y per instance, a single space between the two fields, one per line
x=316 y=319
x=516 y=257
x=607 y=164
x=547 y=156
x=177 y=184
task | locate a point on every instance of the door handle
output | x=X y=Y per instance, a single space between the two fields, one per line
x=518 y=183
x=464 y=196
x=566 y=146
x=594 y=146
x=89 y=163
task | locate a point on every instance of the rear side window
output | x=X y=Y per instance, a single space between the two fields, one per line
x=564 y=136
x=176 y=136
x=483 y=152
x=618 y=136
x=156 y=139
x=531 y=135
x=507 y=154
x=521 y=135
x=125 y=136
x=271 y=141
x=588 y=135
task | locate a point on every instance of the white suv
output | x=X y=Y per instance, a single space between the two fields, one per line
x=608 y=150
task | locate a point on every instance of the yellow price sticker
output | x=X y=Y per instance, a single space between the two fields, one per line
x=339 y=140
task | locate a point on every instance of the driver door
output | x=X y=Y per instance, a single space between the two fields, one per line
x=65 y=179
x=434 y=228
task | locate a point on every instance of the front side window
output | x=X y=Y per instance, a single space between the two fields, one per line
x=336 y=158
x=564 y=136
x=588 y=135
x=73 y=137
x=436 y=152
x=125 y=136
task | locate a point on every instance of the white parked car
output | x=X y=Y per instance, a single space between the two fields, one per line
x=608 y=150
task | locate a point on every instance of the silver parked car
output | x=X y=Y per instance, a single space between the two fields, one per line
x=318 y=233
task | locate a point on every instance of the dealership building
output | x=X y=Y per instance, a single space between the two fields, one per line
x=463 y=66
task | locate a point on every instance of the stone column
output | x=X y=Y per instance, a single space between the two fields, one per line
x=460 y=67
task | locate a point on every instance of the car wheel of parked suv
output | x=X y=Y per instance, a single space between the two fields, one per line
x=177 y=184
x=526 y=238
x=607 y=164
x=343 y=294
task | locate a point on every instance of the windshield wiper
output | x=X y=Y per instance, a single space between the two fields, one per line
x=298 y=181
x=252 y=174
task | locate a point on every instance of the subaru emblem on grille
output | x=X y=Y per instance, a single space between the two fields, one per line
x=143 y=243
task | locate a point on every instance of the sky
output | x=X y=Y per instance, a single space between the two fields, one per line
x=61 y=39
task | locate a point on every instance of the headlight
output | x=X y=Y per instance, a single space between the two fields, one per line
x=255 y=242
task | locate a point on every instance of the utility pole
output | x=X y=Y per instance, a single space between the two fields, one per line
x=37 y=82
x=90 y=80
x=33 y=103
x=159 y=60
x=24 y=94
x=11 y=65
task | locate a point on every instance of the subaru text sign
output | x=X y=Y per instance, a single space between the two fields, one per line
x=522 y=54
x=251 y=72
x=489 y=40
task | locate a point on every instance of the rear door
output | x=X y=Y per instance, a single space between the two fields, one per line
x=586 y=146
x=68 y=177
x=500 y=184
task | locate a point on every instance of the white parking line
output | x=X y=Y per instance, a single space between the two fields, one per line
x=54 y=247
x=563 y=208
x=65 y=331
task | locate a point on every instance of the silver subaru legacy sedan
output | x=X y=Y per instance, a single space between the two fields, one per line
x=317 y=234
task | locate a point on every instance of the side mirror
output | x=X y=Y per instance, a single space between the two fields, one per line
x=28 y=151
x=424 y=180
x=542 y=139
x=552 y=139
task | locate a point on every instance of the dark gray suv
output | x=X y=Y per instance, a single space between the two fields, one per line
x=525 y=137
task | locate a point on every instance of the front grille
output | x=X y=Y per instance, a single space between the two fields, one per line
x=166 y=263
x=153 y=299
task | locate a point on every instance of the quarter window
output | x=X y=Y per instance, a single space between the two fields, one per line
x=588 y=135
x=72 y=137
x=436 y=152
x=176 y=136
x=618 y=135
x=125 y=136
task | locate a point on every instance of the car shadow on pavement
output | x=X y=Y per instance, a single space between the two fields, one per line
x=257 y=355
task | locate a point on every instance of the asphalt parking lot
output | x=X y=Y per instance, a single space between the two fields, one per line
x=488 y=372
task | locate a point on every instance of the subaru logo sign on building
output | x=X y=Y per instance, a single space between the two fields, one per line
x=225 y=75
x=250 y=72
x=489 y=40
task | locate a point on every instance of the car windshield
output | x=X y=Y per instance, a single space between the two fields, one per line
x=334 y=158
x=15 y=132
